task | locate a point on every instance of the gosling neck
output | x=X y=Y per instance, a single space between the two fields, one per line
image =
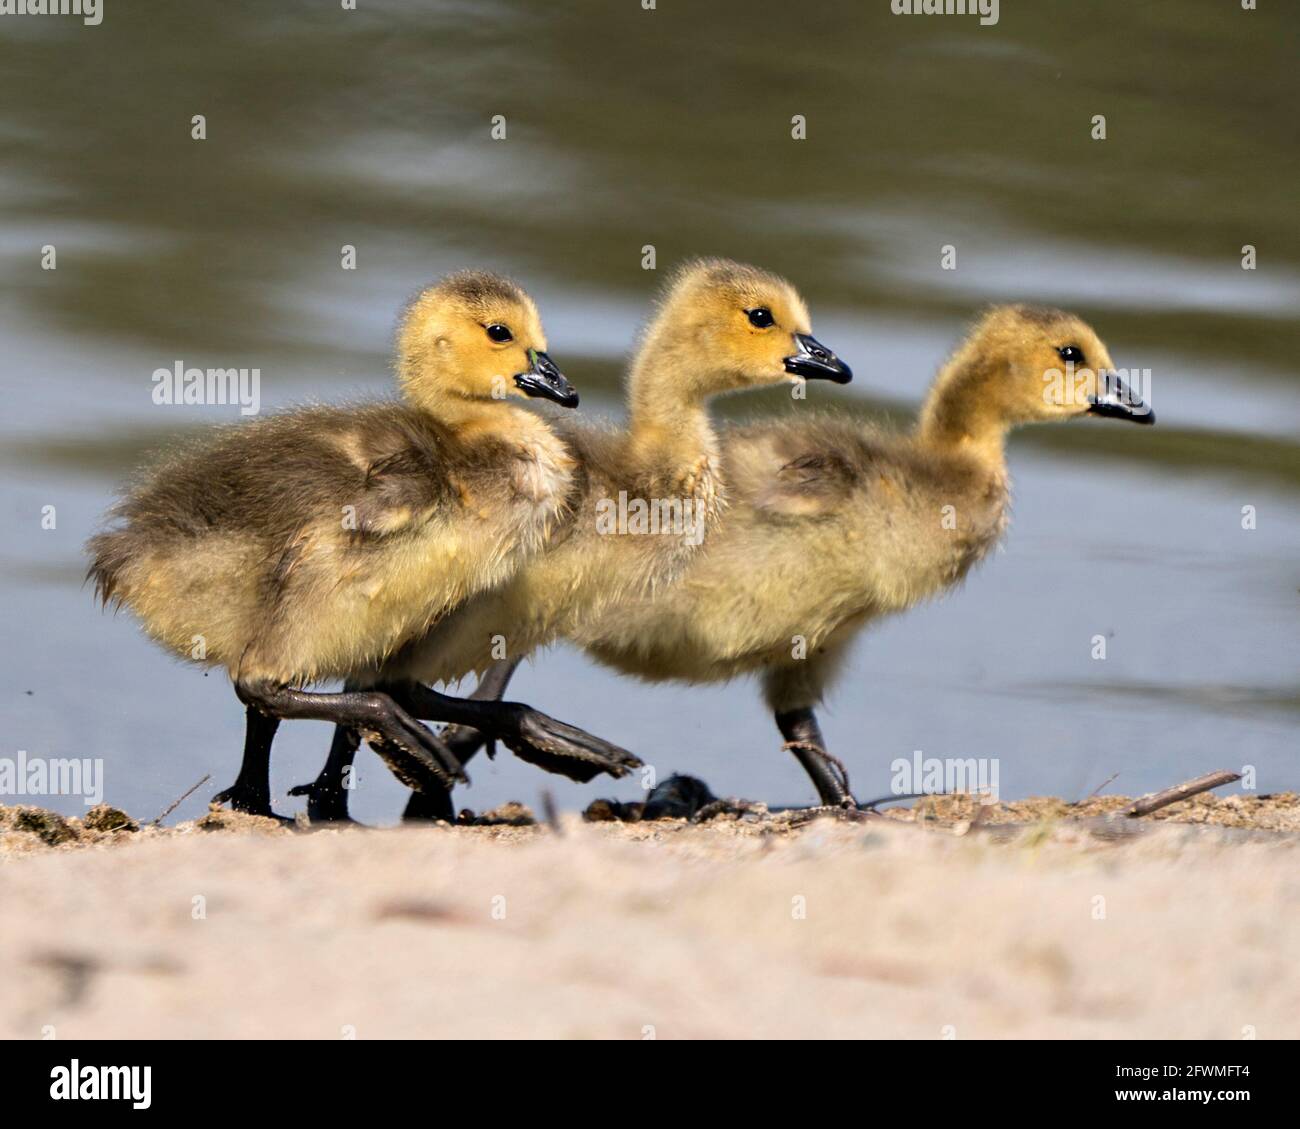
x=962 y=414
x=668 y=420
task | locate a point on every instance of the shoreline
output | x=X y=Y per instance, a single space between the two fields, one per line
x=27 y=828
x=924 y=924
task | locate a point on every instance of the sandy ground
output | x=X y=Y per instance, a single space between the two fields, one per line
x=1041 y=920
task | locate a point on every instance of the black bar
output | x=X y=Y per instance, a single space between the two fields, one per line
x=340 y=1076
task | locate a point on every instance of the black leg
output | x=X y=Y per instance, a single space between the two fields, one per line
x=531 y=735
x=436 y=803
x=327 y=796
x=528 y=733
x=251 y=791
x=803 y=737
x=414 y=754
x=466 y=741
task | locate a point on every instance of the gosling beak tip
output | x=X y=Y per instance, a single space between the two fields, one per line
x=1118 y=401
x=545 y=380
x=813 y=361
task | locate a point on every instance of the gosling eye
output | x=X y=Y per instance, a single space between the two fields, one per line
x=499 y=333
x=1071 y=354
x=760 y=317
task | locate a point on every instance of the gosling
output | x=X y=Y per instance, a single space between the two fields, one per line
x=891 y=520
x=302 y=546
x=720 y=327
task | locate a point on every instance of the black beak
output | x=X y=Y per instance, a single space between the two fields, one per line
x=813 y=361
x=1118 y=400
x=547 y=381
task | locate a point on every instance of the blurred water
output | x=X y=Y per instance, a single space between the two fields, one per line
x=672 y=127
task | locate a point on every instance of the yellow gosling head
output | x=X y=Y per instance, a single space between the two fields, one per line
x=1026 y=364
x=476 y=336
x=724 y=326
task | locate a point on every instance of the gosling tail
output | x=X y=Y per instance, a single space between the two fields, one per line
x=109 y=553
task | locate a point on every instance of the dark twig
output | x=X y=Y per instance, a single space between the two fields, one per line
x=868 y=805
x=181 y=800
x=1157 y=800
x=1109 y=780
x=832 y=762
